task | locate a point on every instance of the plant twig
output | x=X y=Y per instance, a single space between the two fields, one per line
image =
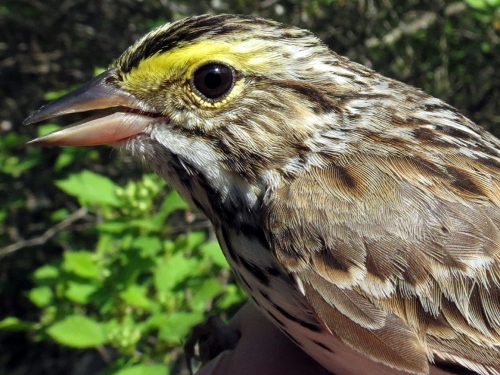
x=40 y=240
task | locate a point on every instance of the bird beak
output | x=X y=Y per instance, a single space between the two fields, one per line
x=126 y=115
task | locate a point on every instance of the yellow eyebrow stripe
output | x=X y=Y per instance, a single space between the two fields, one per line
x=246 y=56
x=180 y=59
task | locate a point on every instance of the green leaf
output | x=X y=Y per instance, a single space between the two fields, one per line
x=59 y=215
x=156 y=320
x=213 y=251
x=3 y=216
x=53 y=95
x=78 y=331
x=173 y=202
x=178 y=325
x=81 y=263
x=47 y=128
x=69 y=155
x=483 y=4
x=41 y=296
x=144 y=369
x=79 y=292
x=163 y=280
x=90 y=187
x=234 y=296
x=493 y=3
x=46 y=272
x=194 y=239
x=148 y=246
x=112 y=226
x=10 y=162
x=173 y=271
x=136 y=295
x=64 y=159
x=152 y=224
x=98 y=70
x=12 y=323
x=208 y=290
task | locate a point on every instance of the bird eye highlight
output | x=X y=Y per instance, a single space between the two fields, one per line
x=213 y=81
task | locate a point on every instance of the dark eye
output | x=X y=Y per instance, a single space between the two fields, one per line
x=213 y=81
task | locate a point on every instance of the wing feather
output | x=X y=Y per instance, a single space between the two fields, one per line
x=347 y=301
x=399 y=253
x=392 y=344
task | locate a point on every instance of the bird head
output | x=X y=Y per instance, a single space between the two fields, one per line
x=226 y=99
x=223 y=107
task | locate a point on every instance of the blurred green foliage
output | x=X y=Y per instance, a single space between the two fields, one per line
x=140 y=288
x=107 y=274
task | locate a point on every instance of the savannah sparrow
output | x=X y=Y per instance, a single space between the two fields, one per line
x=361 y=215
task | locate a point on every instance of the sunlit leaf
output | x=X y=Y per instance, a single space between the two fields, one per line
x=12 y=323
x=173 y=271
x=78 y=331
x=135 y=295
x=47 y=128
x=148 y=245
x=47 y=271
x=90 y=187
x=81 y=263
x=178 y=325
x=493 y=3
x=173 y=202
x=207 y=291
x=195 y=239
x=41 y=296
x=233 y=295
x=79 y=292
x=112 y=226
x=213 y=251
